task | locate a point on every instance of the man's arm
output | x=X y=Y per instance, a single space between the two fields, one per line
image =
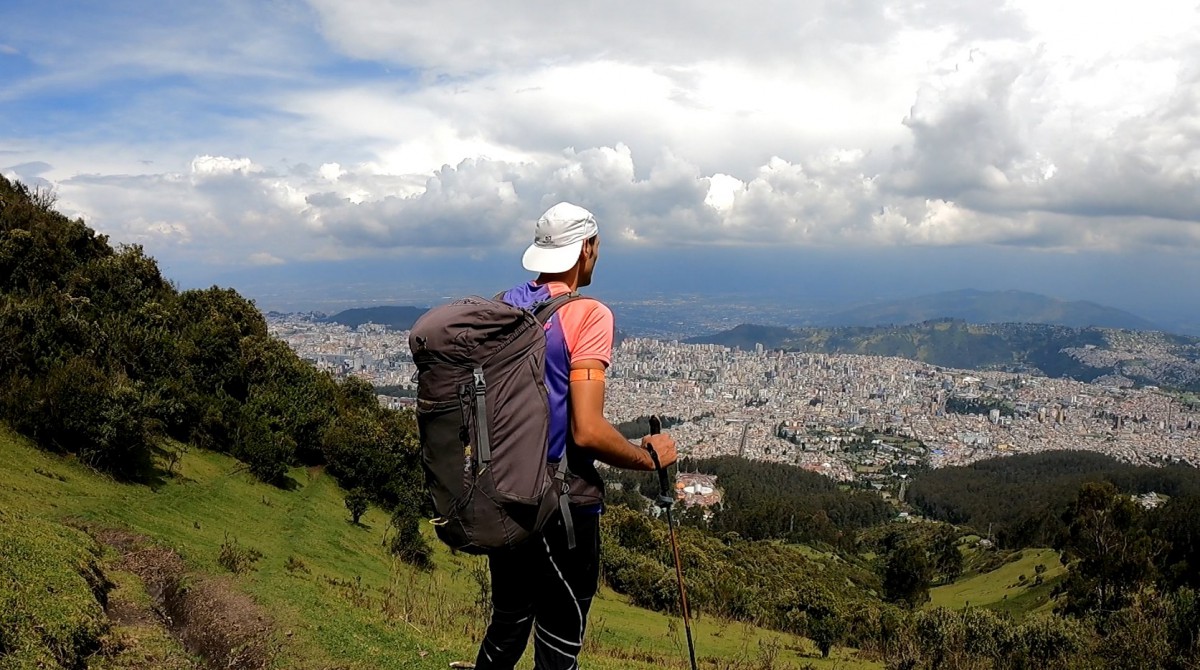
x=592 y=432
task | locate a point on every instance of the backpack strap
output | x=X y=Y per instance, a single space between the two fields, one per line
x=542 y=312
x=564 y=500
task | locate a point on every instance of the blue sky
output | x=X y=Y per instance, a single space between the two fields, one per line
x=897 y=148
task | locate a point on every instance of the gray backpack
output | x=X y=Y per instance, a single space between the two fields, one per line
x=484 y=418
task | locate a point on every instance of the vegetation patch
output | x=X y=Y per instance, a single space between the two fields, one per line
x=1002 y=588
x=236 y=558
x=52 y=594
x=1022 y=498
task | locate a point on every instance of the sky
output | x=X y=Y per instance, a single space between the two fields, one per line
x=834 y=151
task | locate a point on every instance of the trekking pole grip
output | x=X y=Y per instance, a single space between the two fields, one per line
x=664 y=482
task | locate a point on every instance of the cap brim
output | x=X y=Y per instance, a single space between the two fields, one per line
x=538 y=259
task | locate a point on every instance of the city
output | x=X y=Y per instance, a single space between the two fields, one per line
x=845 y=416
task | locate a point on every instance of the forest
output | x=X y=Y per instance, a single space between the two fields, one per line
x=1019 y=501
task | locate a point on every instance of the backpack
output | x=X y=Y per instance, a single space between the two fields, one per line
x=483 y=419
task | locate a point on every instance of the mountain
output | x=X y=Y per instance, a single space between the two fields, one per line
x=395 y=317
x=975 y=306
x=746 y=336
x=1085 y=354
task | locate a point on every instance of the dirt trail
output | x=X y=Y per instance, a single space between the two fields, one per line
x=208 y=615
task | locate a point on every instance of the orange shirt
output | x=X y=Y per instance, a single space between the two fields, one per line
x=587 y=326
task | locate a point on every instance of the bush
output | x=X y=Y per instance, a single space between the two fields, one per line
x=1046 y=641
x=79 y=408
x=102 y=357
x=407 y=543
x=235 y=558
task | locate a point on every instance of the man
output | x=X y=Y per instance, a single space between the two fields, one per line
x=543 y=585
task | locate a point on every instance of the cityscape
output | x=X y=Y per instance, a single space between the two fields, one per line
x=853 y=418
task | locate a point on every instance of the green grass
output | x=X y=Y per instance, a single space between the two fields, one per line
x=1002 y=588
x=50 y=589
x=336 y=596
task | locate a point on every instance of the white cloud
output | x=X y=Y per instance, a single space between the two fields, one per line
x=211 y=166
x=722 y=189
x=332 y=171
x=1019 y=129
x=459 y=36
x=480 y=205
x=450 y=126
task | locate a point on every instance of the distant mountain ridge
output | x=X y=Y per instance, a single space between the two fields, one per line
x=1120 y=357
x=393 y=316
x=975 y=306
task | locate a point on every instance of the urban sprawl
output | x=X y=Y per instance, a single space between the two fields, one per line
x=845 y=416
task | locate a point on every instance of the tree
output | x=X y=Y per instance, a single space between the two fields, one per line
x=1108 y=550
x=946 y=557
x=1177 y=525
x=815 y=612
x=408 y=544
x=906 y=575
x=356 y=502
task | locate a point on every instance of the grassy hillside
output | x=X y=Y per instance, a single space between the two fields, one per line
x=328 y=592
x=1003 y=589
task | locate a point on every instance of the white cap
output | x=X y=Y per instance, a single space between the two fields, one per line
x=558 y=238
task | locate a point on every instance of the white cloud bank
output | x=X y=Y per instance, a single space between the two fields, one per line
x=1044 y=125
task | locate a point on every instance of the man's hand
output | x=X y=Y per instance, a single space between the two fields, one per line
x=664 y=446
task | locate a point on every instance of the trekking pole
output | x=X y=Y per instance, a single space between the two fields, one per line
x=665 y=501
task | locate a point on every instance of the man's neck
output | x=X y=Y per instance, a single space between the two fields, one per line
x=570 y=278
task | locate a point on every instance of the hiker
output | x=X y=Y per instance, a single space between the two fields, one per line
x=543 y=584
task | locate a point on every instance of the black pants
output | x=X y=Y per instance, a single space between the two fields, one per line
x=544 y=586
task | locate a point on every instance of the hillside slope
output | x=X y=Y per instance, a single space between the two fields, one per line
x=334 y=596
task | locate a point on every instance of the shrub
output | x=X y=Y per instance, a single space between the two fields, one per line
x=407 y=543
x=236 y=558
x=1047 y=641
x=293 y=565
